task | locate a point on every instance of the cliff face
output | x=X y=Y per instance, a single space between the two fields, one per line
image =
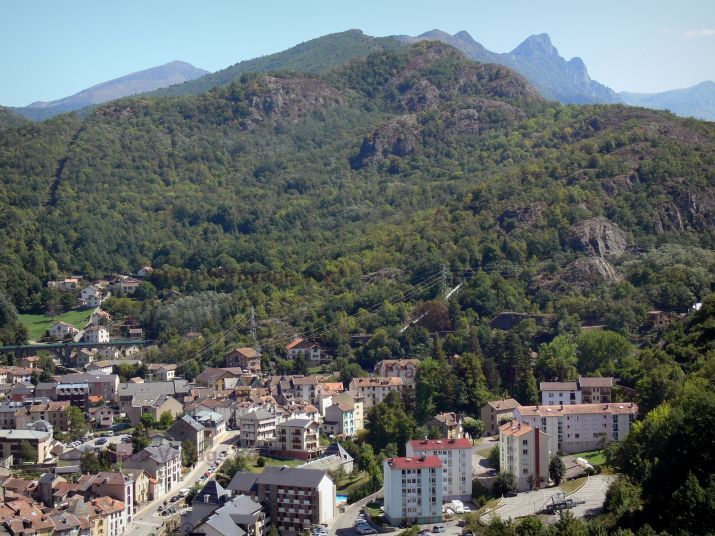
x=599 y=237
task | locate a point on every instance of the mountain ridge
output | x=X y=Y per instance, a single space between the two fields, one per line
x=131 y=84
x=695 y=101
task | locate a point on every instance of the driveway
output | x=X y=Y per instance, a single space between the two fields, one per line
x=528 y=503
x=344 y=524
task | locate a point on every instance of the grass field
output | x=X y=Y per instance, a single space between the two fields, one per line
x=276 y=462
x=350 y=482
x=594 y=457
x=37 y=324
x=572 y=485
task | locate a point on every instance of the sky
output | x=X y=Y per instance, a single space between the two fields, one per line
x=50 y=49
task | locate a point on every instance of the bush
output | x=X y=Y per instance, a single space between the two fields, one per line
x=493 y=457
x=261 y=461
x=504 y=483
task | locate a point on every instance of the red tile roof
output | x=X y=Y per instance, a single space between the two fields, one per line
x=515 y=428
x=623 y=408
x=415 y=462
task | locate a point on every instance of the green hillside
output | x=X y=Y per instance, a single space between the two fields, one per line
x=314 y=56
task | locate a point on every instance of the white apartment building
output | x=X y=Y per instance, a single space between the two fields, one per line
x=555 y=393
x=95 y=334
x=456 y=458
x=257 y=427
x=413 y=490
x=580 y=427
x=524 y=452
x=162 y=463
x=375 y=390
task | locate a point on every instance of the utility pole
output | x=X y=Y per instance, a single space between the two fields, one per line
x=254 y=329
x=446 y=280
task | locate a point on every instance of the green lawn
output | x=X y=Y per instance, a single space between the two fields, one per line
x=572 y=485
x=276 y=462
x=37 y=324
x=594 y=457
x=345 y=485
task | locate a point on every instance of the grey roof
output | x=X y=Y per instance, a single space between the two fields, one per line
x=291 y=476
x=217 y=494
x=155 y=388
x=297 y=423
x=189 y=420
x=596 y=382
x=336 y=449
x=160 y=454
x=243 y=482
x=260 y=414
x=224 y=521
x=86 y=377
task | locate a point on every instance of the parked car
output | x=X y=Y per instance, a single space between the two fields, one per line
x=175 y=498
x=438 y=528
x=101 y=441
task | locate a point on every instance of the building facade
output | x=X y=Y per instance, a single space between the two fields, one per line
x=524 y=452
x=413 y=490
x=495 y=411
x=456 y=458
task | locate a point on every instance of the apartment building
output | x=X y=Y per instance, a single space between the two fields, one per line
x=96 y=334
x=54 y=413
x=162 y=464
x=524 y=452
x=244 y=358
x=583 y=391
x=596 y=390
x=456 y=458
x=257 y=427
x=119 y=486
x=308 y=349
x=296 y=438
x=11 y=444
x=413 y=490
x=496 y=411
x=580 y=427
x=339 y=420
x=295 y=499
x=375 y=390
x=356 y=402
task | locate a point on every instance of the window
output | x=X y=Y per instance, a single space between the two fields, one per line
x=524 y=441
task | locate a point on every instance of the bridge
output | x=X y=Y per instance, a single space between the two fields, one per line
x=65 y=348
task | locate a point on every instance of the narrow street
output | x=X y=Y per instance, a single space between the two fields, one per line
x=147 y=521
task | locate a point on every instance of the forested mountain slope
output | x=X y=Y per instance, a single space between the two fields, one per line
x=291 y=188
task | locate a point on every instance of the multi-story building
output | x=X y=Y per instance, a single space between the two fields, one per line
x=61 y=329
x=580 y=427
x=374 y=390
x=596 y=390
x=496 y=411
x=398 y=368
x=119 y=486
x=356 y=401
x=413 y=490
x=96 y=334
x=12 y=443
x=555 y=393
x=296 y=438
x=164 y=372
x=114 y=513
x=244 y=358
x=257 y=427
x=189 y=429
x=295 y=499
x=456 y=458
x=339 y=420
x=54 y=413
x=308 y=349
x=162 y=464
x=524 y=452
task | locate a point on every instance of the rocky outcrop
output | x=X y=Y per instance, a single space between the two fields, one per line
x=398 y=137
x=692 y=210
x=578 y=275
x=600 y=237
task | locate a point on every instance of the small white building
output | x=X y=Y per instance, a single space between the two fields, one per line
x=309 y=350
x=555 y=393
x=524 y=452
x=96 y=334
x=413 y=490
x=456 y=458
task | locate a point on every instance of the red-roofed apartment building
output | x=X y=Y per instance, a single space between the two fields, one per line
x=413 y=490
x=456 y=458
x=524 y=452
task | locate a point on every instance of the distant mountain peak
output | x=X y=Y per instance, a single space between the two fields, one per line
x=539 y=44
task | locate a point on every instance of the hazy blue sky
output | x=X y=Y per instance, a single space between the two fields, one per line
x=50 y=49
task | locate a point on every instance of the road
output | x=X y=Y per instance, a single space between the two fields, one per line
x=344 y=524
x=530 y=502
x=147 y=520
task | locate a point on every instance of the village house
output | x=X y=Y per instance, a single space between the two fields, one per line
x=104 y=386
x=140 y=485
x=339 y=420
x=375 y=389
x=145 y=271
x=189 y=429
x=153 y=405
x=60 y=330
x=54 y=413
x=309 y=350
x=524 y=452
x=163 y=372
x=105 y=366
x=244 y=358
x=118 y=486
x=162 y=464
x=127 y=285
x=96 y=334
x=495 y=412
x=448 y=424
x=11 y=444
x=30 y=362
x=100 y=317
x=406 y=369
x=257 y=427
x=68 y=283
x=215 y=513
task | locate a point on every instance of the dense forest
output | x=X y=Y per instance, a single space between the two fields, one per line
x=330 y=203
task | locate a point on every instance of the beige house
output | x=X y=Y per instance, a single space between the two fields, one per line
x=449 y=424
x=374 y=390
x=309 y=350
x=11 y=444
x=596 y=390
x=296 y=438
x=54 y=413
x=492 y=413
x=140 y=483
x=399 y=368
x=244 y=358
x=163 y=371
x=60 y=330
x=154 y=405
x=257 y=427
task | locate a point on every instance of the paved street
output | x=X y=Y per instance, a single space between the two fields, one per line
x=147 y=520
x=528 y=503
x=344 y=524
